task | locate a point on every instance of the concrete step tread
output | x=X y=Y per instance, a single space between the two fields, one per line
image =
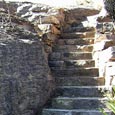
x=79 y=102
x=85 y=87
x=71 y=60
x=75 y=52
x=77 y=48
x=68 y=45
x=80 y=77
x=78 y=71
x=75 y=110
x=66 y=33
x=72 y=63
x=76 y=77
x=78 y=29
x=70 y=55
x=74 y=68
x=81 y=98
x=83 y=91
x=70 y=52
x=77 y=35
x=79 y=80
x=78 y=41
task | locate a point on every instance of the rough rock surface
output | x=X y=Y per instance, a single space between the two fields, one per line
x=24 y=74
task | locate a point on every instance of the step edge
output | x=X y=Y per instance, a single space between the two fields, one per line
x=81 y=98
x=79 y=87
x=72 y=60
x=71 y=52
x=93 y=77
x=74 y=68
x=73 y=45
x=74 y=110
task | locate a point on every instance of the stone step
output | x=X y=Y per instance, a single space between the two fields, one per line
x=81 y=91
x=78 y=41
x=73 y=112
x=72 y=48
x=72 y=63
x=92 y=71
x=80 y=81
x=70 y=55
x=75 y=28
x=78 y=103
x=77 y=35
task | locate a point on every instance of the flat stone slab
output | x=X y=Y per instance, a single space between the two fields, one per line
x=75 y=28
x=73 y=112
x=75 y=71
x=73 y=48
x=70 y=55
x=77 y=35
x=79 y=81
x=81 y=91
x=78 y=41
x=78 y=103
x=72 y=63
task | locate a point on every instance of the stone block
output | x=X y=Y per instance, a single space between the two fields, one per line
x=107 y=54
x=104 y=19
x=110 y=73
x=105 y=28
x=104 y=41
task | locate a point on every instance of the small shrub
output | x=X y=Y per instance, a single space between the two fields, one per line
x=111 y=102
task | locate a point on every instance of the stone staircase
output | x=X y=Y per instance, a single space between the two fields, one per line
x=79 y=90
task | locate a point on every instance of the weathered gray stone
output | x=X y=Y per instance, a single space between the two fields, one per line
x=24 y=73
x=77 y=103
x=68 y=72
x=80 y=91
x=70 y=55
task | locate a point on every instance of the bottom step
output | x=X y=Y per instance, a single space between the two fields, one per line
x=73 y=112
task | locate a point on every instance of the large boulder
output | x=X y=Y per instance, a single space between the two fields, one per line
x=25 y=80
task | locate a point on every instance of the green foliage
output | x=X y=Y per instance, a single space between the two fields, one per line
x=111 y=102
x=102 y=110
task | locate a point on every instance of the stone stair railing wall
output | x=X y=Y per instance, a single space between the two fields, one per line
x=104 y=49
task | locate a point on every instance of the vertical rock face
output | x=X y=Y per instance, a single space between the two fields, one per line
x=24 y=73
